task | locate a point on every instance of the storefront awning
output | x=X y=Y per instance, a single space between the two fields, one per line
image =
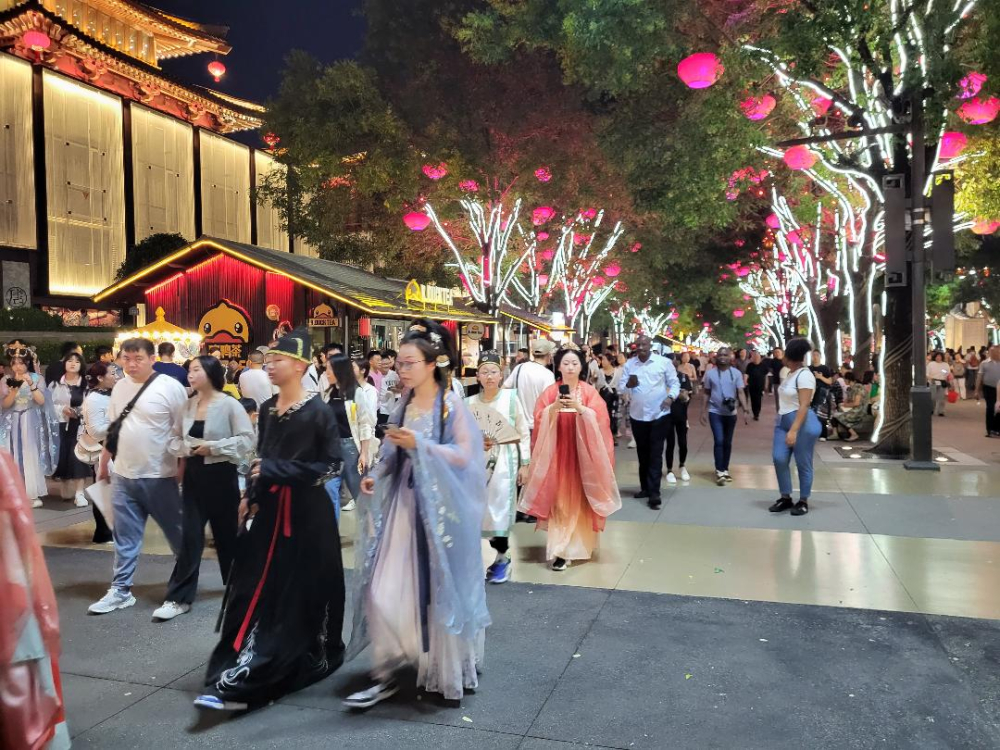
x=366 y=292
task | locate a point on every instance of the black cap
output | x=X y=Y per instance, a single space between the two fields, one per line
x=295 y=344
x=490 y=358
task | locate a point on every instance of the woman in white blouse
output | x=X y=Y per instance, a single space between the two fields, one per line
x=355 y=419
x=366 y=396
x=94 y=424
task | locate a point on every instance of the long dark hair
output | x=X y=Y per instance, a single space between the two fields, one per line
x=343 y=372
x=213 y=368
x=560 y=355
x=436 y=345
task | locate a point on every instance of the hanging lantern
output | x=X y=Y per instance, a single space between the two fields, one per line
x=980 y=111
x=435 y=172
x=953 y=144
x=416 y=221
x=758 y=109
x=543 y=279
x=773 y=221
x=36 y=40
x=612 y=270
x=821 y=105
x=701 y=70
x=794 y=239
x=970 y=85
x=580 y=239
x=542 y=236
x=985 y=226
x=800 y=157
x=742 y=271
x=468 y=186
x=548 y=254
x=271 y=140
x=364 y=326
x=737 y=313
x=216 y=70
x=588 y=213
x=597 y=281
x=542 y=214
x=543 y=174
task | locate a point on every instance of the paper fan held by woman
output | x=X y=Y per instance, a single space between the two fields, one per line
x=31 y=703
x=571 y=487
x=419 y=597
x=507 y=441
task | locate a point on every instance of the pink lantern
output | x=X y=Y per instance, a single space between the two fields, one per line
x=417 y=222
x=821 y=105
x=953 y=143
x=588 y=213
x=794 y=239
x=758 y=109
x=543 y=279
x=701 y=70
x=985 y=226
x=742 y=271
x=737 y=313
x=548 y=254
x=542 y=236
x=435 y=172
x=746 y=297
x=980 y=111
x=773 y=221
x=468 y=186
x=36 y=40
x=597 y=281
x=542 y=214
x=543 y=174
x=216 y=70
x=612 y=270
x=970 y=85
x=800 y=157
x=580 y=239
x=636 y=247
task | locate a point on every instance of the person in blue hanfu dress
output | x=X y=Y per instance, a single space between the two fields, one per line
x=419 y=597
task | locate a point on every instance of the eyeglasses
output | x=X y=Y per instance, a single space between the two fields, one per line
x=404 y=365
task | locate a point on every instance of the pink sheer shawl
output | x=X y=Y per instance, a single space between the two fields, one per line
x=595 y=452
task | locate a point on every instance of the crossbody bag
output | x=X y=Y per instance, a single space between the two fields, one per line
x=115 y=428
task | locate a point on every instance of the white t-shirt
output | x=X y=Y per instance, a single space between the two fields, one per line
x=387 y=397
x=938 y=371
x=788 y=391
x=530 y=379
x=156 y=418
x=256 y=384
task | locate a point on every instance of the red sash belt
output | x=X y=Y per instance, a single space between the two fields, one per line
x=283 y=520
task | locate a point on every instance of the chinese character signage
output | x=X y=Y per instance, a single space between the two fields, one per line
x=226 y=327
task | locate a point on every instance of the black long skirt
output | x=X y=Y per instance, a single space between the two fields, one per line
x=69 y=466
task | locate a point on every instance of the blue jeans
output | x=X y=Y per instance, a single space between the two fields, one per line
x=723 y=428
x=134 y=501
x=805 y=442
x=348 y=474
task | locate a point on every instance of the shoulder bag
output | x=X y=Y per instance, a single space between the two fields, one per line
x=115 y=428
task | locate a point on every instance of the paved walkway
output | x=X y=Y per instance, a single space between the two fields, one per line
x=871 y=622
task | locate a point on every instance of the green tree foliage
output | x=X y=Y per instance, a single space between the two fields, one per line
x=979 y=179
x=149 y=251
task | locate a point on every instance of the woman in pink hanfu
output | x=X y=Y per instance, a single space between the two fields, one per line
x=571 y=489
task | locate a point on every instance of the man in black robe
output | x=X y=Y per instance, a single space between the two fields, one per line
x=284 y=611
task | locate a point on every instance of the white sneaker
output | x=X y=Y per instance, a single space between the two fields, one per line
x=671 y=479
x=720 y=477
x=80 y=501
x=631 y=443
x=114 y=599
x=349 y=506
x=215 y=703
x=685 y=477
x=37 y=503
x=373 y=695
x=170 y=610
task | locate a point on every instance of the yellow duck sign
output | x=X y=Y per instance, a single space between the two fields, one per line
x=226 y=327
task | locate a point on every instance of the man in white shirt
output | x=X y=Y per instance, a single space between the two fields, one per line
x=652 y=384
x=529 y=379
x=254 y=382
x=144 y=473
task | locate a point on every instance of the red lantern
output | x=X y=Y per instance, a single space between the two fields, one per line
x=271 y=140
x=588 y=213
x=701 y=70
x=612 y=270
x=970 y=86
x=773 y=221
x=543 y=174
x=364 y=326
x=548 y=254
x=597 y=281
x=435 y=172
x=216 y=70
x=636 y=247
x=953 y=144
x=794 y=239
x=758 y=109
x=980 y=111
x=542 y=236
x=800 y=157
x=542 y=214
x=985 y=226
x=36 y=40
x=738 y=313
x=821 y=105
x=416 y=221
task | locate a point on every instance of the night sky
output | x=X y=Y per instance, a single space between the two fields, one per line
x=261 y=34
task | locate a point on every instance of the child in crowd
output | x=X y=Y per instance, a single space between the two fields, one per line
x=243 y=470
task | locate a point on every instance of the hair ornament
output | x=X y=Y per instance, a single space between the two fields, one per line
x=443 y=360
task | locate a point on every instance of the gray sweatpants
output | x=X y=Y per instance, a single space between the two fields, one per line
x=135 y=500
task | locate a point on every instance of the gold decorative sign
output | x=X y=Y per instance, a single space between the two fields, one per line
x=424 y=296
x=323 y=317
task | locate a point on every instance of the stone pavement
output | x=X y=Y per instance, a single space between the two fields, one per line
x=871 y=622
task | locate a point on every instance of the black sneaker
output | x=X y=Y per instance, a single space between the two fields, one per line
x=654 y=502
x=640 y=495
x=800 y=508
x=781 y=505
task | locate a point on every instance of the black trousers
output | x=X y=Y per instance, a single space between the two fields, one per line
x=650 y=438
x=677 y=434
x=381 y=420
x=992 y=420
x=756 y=397
x=211 y=495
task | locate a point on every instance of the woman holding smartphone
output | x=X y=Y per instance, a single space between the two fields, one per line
x=571 y=487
